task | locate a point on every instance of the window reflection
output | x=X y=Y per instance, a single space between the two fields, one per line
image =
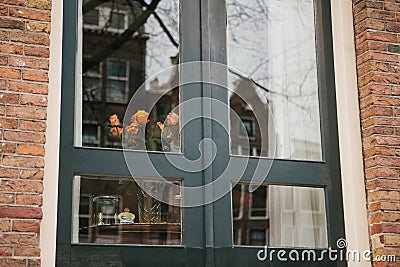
x=279 y=216
x=273 y=68
x=118 y=211
x=122 y=47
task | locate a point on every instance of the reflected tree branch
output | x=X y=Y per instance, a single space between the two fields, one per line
x=118 y=42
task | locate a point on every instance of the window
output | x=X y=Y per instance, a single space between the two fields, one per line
x=157 y=100
x=246 y=128
x=90 y=134
x=117 y=81
x=257 y=237
x=258 y=203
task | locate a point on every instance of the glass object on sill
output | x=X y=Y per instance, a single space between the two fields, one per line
x=279 y=216
x=112 y=67
x=273 y=79
x=99 y=200
x=105 y=210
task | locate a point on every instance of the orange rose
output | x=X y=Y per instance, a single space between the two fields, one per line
x=115 y=131
x=172 y=119
x=132 y=129
x=114 y=120
x=141 y=117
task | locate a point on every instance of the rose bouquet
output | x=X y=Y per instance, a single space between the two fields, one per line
x=134 y=136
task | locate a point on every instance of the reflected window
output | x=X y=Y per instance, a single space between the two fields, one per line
x=258 y=203
x=118 y=211
x=117 y=20
x=117 y=81
x=279 y=216
x=257 y=237
x=246 y=128
x=91 y=18
x=90 y=134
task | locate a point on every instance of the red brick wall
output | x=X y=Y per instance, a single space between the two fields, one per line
x=377 y=37
x=24 y=64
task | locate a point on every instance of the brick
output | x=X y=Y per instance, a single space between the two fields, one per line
x=7 y=23
x=33 y=75
x=38 y=27
x=392 y=240
x=2 y=112
x=38 y=138
x=32 y=174
x=3 y=10
x=374 y=100
x=27 y=87
x=33 y=100
x=31 y=200
x=35 y=126
x=34 y=263
x=378 y=36
x=18 y=239
x=36 y=15
x=387 y=78
x=26 y=112
x=385 y=172
x=11 y=48
x=381 y=15
x=9 y=98
x=37 y=51
x=394 y=68
x=393 y=27
x=392 y=7
x=8 y=173
x=376 y=111
x=5 y=226
x=21 y=212
x=33 y=150
x=6 y=251
x=13 y=2
x=384 y=195
x=40 y=4
x=22 y=186
x=385 y=184
x=10 y=73
x=27 y=252
x=381 y=151
x=369 y=24
x=8 y=262
x=7 y=198
x=3 y=60
x=4 y=36
x=26 y=226
x=24 y=162
x=7 y=148
x=30 y=38
x=27 y=62
x=378 y=89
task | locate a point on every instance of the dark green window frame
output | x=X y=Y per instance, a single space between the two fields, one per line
x=203 y=28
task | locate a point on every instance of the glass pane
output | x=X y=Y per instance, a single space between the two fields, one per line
x=117 y=69
x=127 y=52
x=273 y=79
x=117 y=21
x=118 y=211
x=91 y=18
x=116 y=91
x=279 y=216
